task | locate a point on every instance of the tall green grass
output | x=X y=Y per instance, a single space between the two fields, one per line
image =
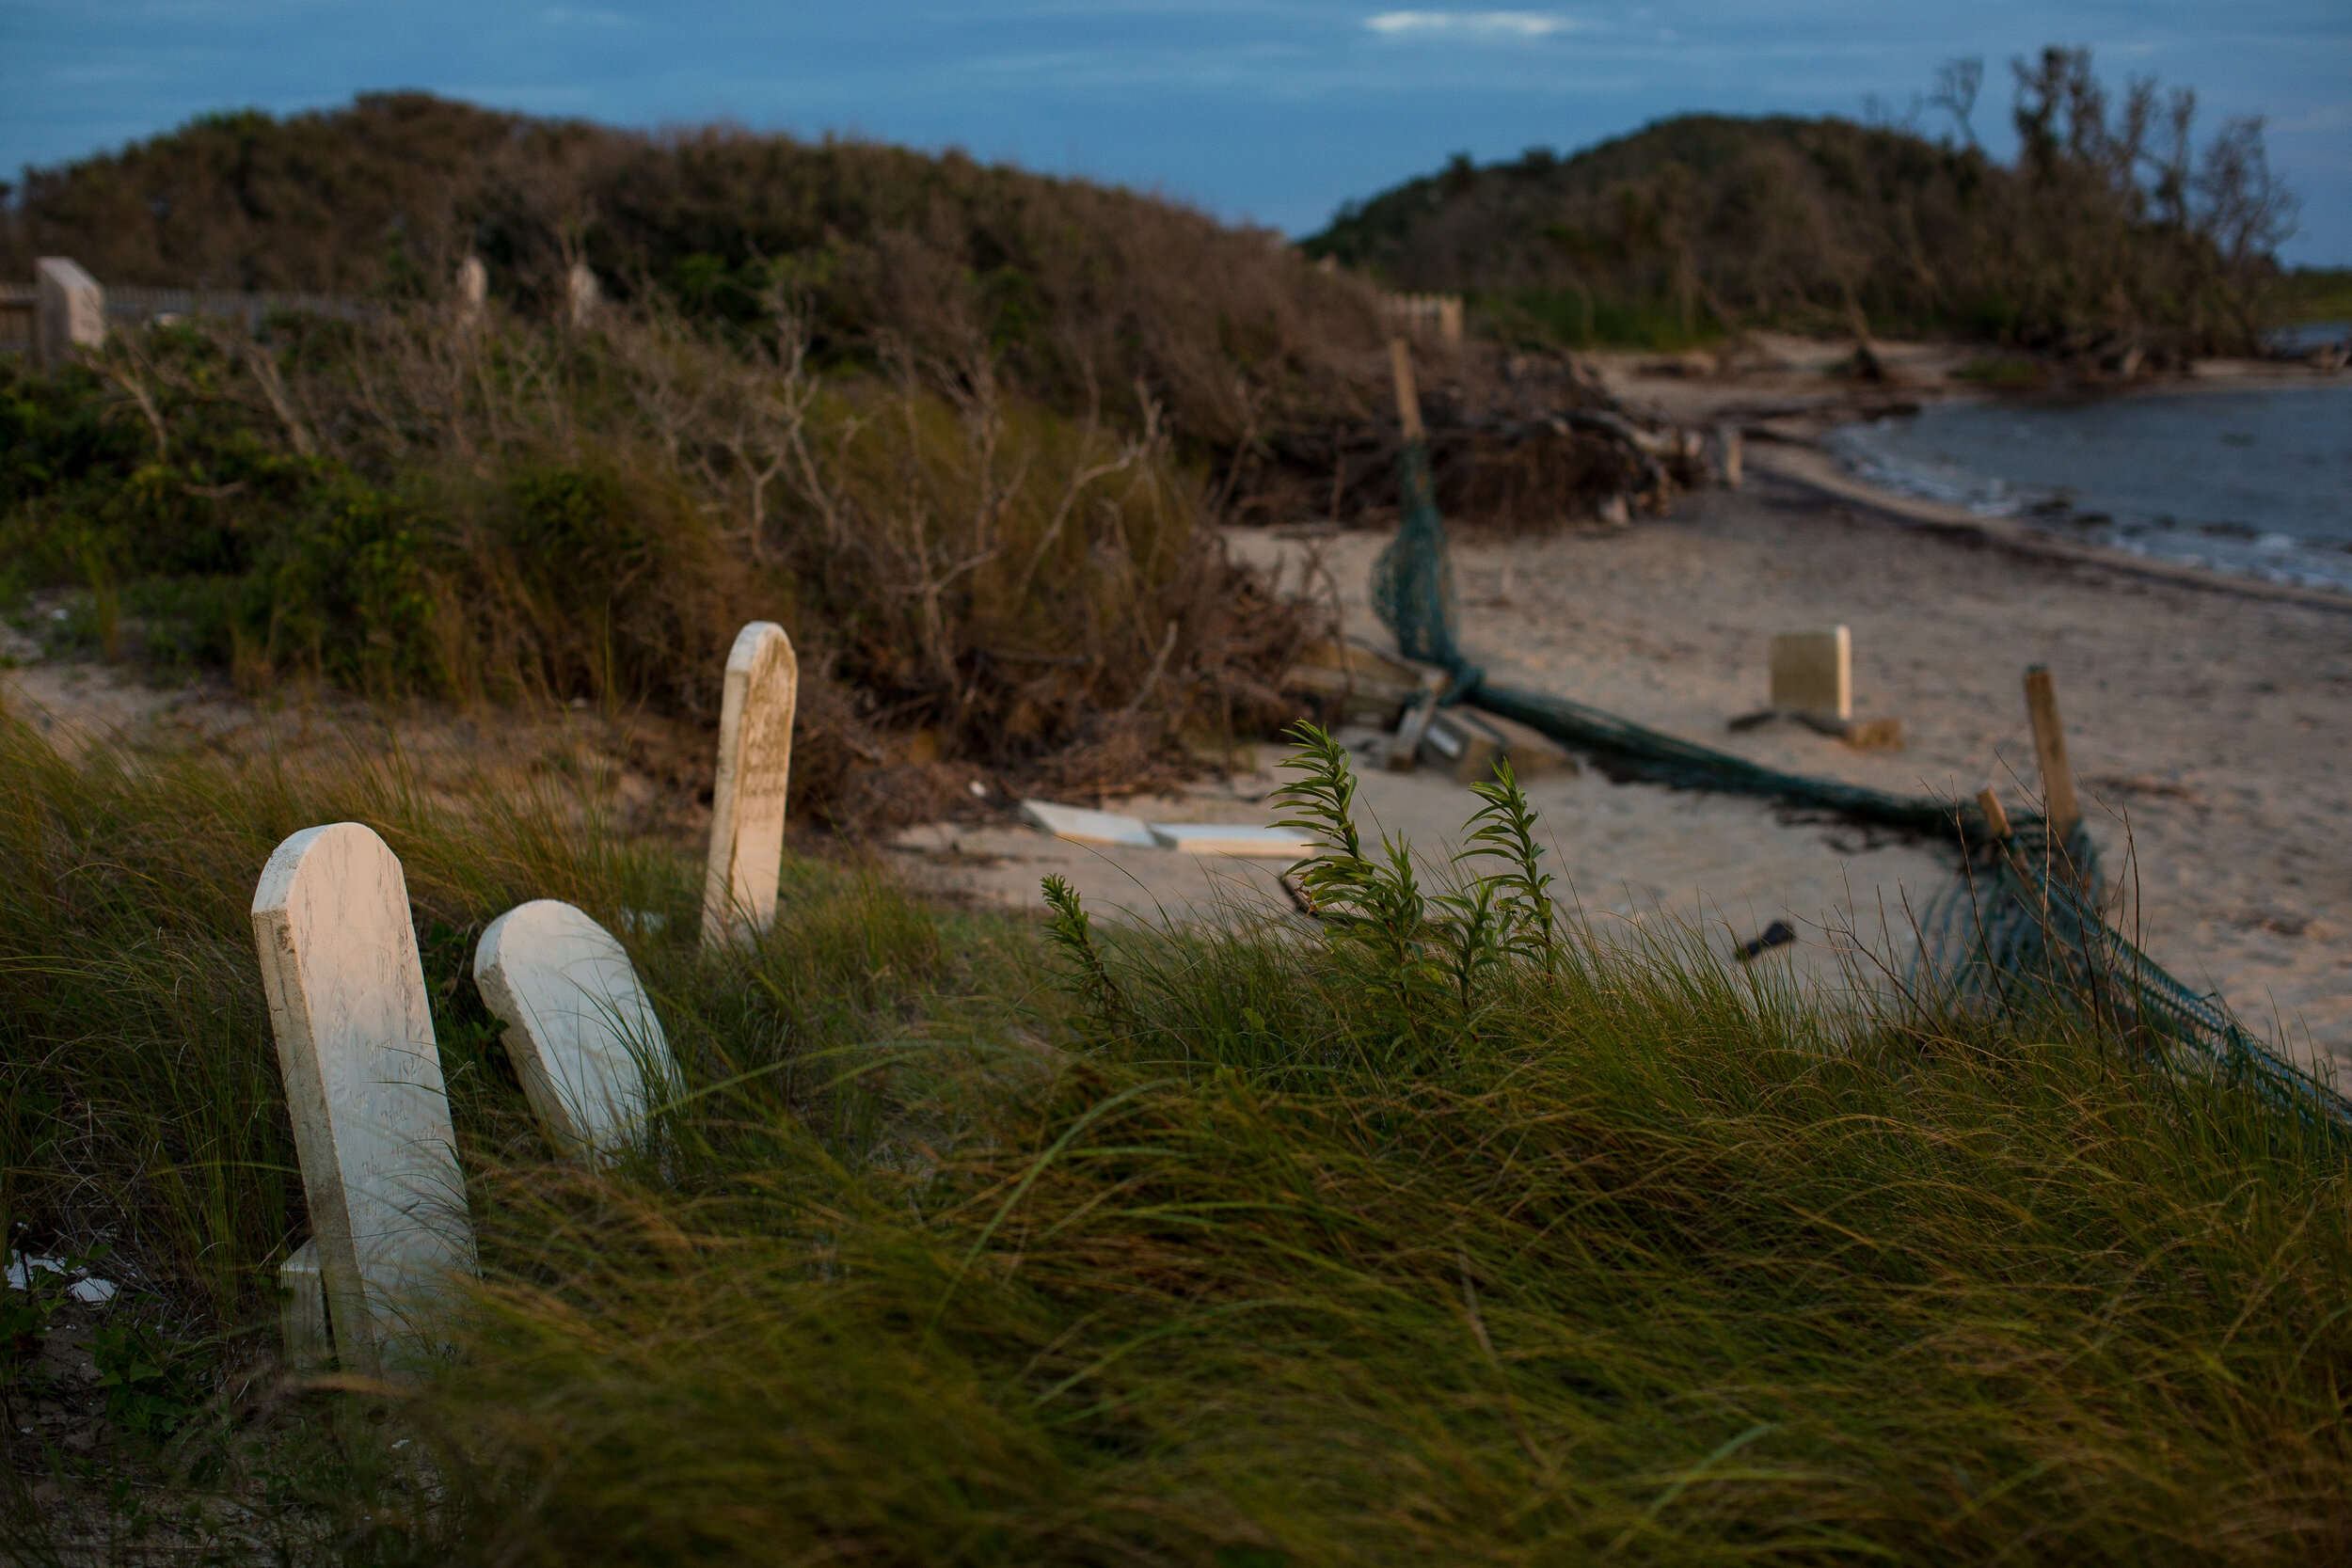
x=1443 y=1230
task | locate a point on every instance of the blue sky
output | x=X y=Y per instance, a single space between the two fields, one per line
x=1275 y=111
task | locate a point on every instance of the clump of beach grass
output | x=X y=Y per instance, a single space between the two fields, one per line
x=1441 y=1231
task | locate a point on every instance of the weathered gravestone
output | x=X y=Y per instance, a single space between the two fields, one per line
x=363 y=1089
x=747 y=803
x=578 y=1026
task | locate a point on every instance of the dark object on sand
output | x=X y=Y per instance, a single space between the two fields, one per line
x=1778 y=934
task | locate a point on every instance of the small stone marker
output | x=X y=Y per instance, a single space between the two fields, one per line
x=70 y=309
x=363 y=1085
x=1812 y=673
x=581 y=1032
x=747 y=803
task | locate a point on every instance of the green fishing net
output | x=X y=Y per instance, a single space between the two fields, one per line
x=2020 y=922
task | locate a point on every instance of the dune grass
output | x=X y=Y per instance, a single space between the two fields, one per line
x=1446 y=1231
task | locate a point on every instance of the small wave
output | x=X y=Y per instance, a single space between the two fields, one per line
x=2195 y=516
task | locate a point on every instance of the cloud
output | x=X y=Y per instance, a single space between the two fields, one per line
x=1496 y=25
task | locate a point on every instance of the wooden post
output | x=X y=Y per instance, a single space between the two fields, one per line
x=1995 y=819
x=2049 y=745
x=1407 y=400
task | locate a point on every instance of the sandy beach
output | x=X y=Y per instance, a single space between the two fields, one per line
x=2207 y=720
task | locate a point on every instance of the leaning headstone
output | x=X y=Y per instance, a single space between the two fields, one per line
x=363 y=1086
x=1812 y=673
x=747 y=802
x=70 y=309
x=579 y=1028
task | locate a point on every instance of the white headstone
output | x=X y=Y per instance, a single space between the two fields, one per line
x=580 y=1029
x=581 y=294
x=363 y=1085
x=70 y=310
x=747 y=802
x=471 y=283
x=1813 y=672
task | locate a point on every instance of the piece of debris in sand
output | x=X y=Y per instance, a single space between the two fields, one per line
x=1228 y=838
x=1081 y=826
x=1467 y=742
x=1366 y=684
x=1778 y=934
x=1459 y=745
x=82 y=1285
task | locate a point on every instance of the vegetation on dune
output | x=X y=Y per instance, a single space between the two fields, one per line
x=1452 y=1231
x=497 y=509
x=2112 y=229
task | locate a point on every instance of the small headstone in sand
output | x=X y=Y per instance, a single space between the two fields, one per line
x=1813 y=672
x=1227 y=838
x=763 y=681
x=579 y=1028
x=1081 y=826
x=363 y=1085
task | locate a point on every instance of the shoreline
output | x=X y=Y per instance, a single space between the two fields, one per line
x=1785 y=411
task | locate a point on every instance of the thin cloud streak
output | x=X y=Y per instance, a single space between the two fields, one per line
x=1495 y=26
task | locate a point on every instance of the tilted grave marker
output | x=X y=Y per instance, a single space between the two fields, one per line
x=363 y=1088
x=747 y=802
x=579 y=1025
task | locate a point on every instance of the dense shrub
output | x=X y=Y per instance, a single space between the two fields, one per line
x=492 y=509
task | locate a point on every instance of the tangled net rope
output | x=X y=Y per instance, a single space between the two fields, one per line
x=2020 y=925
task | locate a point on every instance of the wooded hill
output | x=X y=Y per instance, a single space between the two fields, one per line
x=2110 y=231
x=1083 y=293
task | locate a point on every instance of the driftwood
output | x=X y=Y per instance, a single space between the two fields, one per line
x=1511 y=445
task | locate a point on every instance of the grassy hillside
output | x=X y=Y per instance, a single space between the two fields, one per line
x=2113 y=229
x=1448 y=1232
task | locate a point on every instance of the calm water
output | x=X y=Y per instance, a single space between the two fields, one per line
x=2258 y=482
